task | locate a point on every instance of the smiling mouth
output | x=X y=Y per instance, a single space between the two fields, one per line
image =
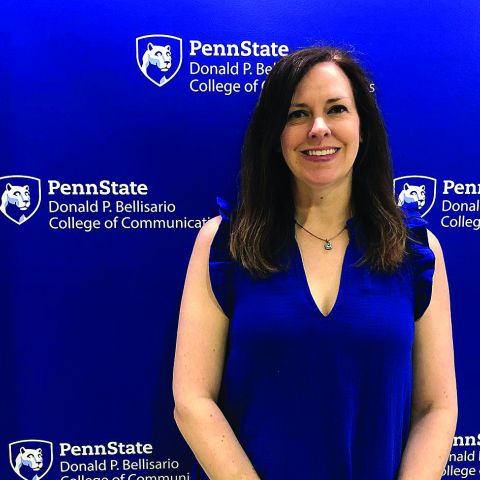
x=321 y=152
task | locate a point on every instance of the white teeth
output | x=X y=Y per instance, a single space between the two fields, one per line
x=319 y=153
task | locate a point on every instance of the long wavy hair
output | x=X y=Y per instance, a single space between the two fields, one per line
x=262 y=226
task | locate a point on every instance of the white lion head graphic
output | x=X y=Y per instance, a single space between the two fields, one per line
x=17 y=196
x=160 y=56
x=29 y=457
x=412 y=194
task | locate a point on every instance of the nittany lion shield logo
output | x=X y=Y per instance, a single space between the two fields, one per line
x=31 y=459
x=416 y=190
x=20 y=197
x=159 y=57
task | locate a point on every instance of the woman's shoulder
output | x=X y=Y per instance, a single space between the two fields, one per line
x=221 y=265
x=413 y=218
x=423 y=247
x=420 y=239
x=211 y=227
x=416 y=225
x=207 y=232
x=434 y=243
x=213 y=238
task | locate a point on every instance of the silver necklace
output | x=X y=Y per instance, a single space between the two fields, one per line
x=327 y=242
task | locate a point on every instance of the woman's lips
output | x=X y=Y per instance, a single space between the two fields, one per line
x=319 y=158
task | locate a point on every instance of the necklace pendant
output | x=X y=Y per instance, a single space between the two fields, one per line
x=327 y=245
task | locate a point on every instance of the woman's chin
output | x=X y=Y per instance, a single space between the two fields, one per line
x=326 y=181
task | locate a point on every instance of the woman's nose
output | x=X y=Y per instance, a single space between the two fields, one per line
x=319 y=128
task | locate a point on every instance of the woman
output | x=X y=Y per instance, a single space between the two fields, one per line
x=311 y=341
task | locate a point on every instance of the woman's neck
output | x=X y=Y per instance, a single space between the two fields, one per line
x=323 y=208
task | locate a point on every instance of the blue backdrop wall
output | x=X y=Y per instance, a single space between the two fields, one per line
x=124 y=120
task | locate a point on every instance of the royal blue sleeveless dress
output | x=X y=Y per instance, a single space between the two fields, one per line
x=321 y=397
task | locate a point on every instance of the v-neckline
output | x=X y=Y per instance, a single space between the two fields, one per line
x=308 y=291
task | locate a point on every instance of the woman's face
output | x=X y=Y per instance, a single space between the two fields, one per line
x=321 y=136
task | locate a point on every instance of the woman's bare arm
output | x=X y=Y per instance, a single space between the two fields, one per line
x=434 y=403
x=199 y=359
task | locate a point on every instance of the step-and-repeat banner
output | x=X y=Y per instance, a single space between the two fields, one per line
x=121 y=122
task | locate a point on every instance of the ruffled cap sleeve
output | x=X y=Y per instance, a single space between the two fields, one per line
x=422 y=259
x=221 y=265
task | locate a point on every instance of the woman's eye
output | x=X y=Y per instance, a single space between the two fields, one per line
x=296 y=114
x=338 y=109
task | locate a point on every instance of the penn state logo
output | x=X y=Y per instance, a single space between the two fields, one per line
x=20 y=197
x=159 y=57
x=416 y=191
x=31 y=459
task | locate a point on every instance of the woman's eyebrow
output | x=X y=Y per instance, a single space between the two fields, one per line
x=330 y=100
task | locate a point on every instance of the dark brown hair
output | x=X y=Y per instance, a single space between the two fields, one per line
x=262 y=225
